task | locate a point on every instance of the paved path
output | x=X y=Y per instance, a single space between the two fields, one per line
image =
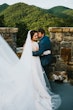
x=65 y=90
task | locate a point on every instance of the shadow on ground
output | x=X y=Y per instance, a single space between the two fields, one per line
x=65 y=91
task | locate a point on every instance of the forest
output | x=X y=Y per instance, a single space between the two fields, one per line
x=27 y=17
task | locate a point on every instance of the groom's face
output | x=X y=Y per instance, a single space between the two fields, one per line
x=40 y=35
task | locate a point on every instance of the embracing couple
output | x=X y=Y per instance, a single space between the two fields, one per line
x=22 y=82
x=42 y=48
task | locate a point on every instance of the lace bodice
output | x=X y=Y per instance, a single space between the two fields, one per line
x=35 y=46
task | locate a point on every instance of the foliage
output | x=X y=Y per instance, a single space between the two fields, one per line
x=22 y=32
x=58 y=11
x=2 y=22
x=3 y=7
x=28 y=17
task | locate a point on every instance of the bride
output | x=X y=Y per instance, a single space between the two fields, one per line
x=22 y=84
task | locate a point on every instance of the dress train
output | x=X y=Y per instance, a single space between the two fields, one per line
x=21 y=87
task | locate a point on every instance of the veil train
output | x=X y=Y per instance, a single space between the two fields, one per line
x=6 y=52
x=18 y=87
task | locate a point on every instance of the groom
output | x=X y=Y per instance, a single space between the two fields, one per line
x=44 y=45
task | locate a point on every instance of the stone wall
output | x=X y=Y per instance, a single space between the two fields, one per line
x=62 y=45
x=9 y=34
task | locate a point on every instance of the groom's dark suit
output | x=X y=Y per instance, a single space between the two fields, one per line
x=44 y=44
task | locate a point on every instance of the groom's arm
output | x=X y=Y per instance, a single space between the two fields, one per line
x=45 y=44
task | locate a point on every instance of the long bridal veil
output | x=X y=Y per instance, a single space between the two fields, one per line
x=6 y=52
x=16 y=89
x=20 y=87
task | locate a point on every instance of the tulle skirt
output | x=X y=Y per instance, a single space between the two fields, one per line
x=22 y=83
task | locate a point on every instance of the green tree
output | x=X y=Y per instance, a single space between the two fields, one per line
x=2 y=23
x=68 y=21
x=22 y=33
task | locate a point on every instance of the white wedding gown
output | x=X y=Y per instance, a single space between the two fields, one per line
x=22 y=84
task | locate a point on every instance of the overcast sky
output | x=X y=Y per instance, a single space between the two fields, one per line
x=42 y=3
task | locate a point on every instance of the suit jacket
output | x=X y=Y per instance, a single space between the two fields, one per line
x=44 y=44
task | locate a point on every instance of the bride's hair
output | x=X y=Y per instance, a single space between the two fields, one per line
x=32 y=32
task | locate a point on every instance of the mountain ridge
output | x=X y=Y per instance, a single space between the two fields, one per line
x=55 y=8
x=28 y=17
x=34 y=16
x=3 y=7
x=59 y=11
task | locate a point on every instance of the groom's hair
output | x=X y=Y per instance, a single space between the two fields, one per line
x=41 y=30
x=32 y=33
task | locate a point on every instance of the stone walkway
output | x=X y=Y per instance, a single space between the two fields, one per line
x=65 y=90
